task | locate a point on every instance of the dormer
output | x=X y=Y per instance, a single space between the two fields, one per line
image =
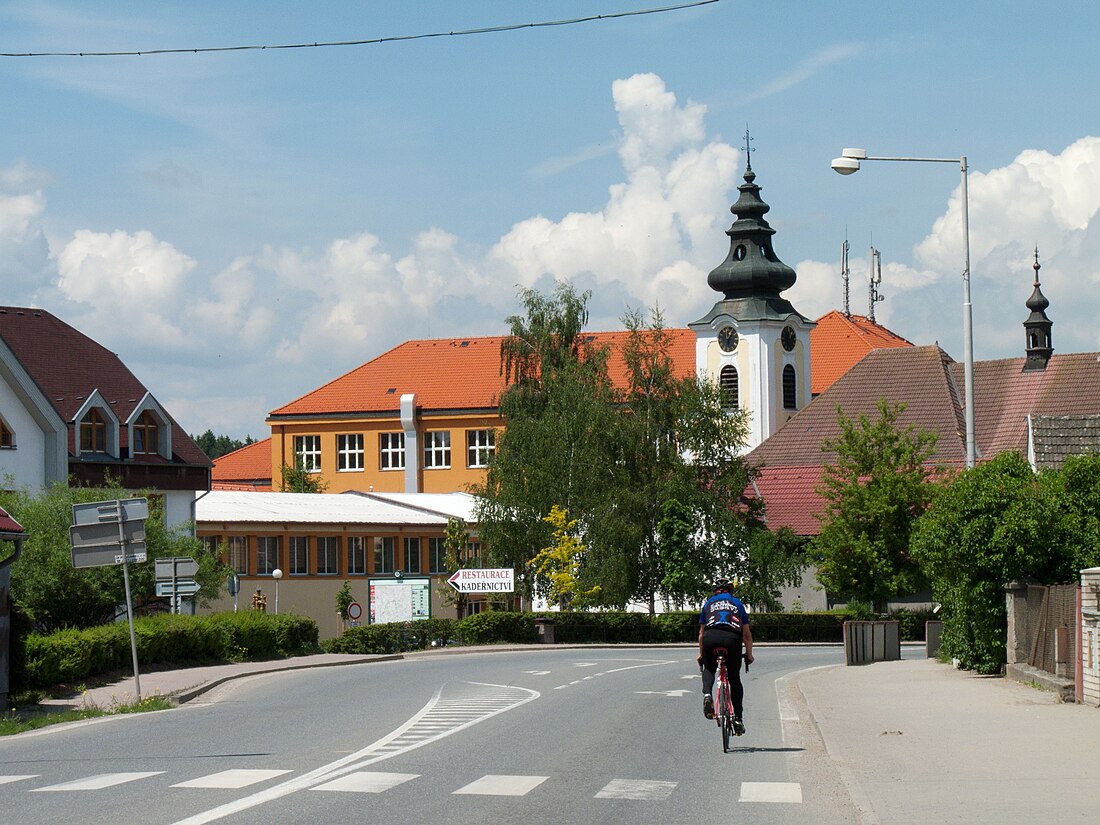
x=96 y=427
x=149 y=430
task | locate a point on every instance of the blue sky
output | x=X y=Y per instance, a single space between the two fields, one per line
x=242 y=227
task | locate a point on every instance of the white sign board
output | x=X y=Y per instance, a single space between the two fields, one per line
x=181 y=567
x=484 y=580
x=400 y=600
x=184 y=587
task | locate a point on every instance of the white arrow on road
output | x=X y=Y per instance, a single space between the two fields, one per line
x=673 y=693
x=537 y=672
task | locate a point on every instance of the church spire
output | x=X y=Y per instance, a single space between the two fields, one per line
x=1037 y=326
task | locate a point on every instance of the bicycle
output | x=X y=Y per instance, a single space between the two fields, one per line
x=723 y=704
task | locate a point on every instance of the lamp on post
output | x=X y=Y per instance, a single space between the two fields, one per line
x=848 y=163
x=276 y=574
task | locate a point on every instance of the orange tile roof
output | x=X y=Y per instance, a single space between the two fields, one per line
x=248 y=465
x=449 y=374
x=839 y=341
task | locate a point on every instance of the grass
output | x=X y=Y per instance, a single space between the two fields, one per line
x=33 y=717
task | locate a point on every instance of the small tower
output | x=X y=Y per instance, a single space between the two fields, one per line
x=1037 y=327
x=753 y=343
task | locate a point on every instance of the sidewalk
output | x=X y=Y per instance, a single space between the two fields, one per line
x=919 y=742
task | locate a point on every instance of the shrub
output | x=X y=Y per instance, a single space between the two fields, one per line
x=394 y=637
x=498 y=627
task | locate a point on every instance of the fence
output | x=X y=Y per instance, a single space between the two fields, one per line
x=1043 y=627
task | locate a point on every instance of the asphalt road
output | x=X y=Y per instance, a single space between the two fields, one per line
x=602 y=735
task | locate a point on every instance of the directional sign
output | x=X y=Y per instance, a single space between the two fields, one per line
x=97 y=545
x=184 y=587
x=100 y=512
x=184 y=567
x=484 y=580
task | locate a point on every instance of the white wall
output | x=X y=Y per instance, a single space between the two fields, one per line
x=27 y=462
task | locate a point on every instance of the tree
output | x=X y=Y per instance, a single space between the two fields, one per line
x=53 y=595
x=773 y=560
x=298 y=479
x=874 y=492
x=344 y=600
x=456 y=543
x=215 y=446
x=559 y=564
x=685 y=573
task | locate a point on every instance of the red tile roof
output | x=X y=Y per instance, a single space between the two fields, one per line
x=839 y=341
x=9 y=525
x=68 y=366
x=449 y=374
x=248 y=468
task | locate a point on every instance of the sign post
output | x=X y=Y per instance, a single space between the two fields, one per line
x=90 y=537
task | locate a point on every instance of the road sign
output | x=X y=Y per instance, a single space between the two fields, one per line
x=183 y=567
x=184 y=587
x=97 y=545
x=484 y=580
x=104 y=512
x=355 y=611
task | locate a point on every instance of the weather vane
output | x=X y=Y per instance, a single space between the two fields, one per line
x=748 y=149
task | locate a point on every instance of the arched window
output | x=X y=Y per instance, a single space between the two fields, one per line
x=790 y=389
x=93 y=432
x=727 y=384
x=147 y=434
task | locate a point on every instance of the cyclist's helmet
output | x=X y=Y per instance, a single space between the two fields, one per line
x=722 y=585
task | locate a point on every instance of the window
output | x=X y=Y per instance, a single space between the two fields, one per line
x=790 y=396
x=437 y=450
x=412 y=555
x=474 y=607
x=357 y=556
x=93 y=432
x=349 y=452
x=267 y=555
x=328 y=555
x=727 y=385
x=299 y=556
x=383 y=555
x=437 y=555
x=391 y=451
x=7 y=437
x=480 y=446
x=146 y=434
x=237 y=554
x=307 y=452
x=473 y=553
x=210 y=545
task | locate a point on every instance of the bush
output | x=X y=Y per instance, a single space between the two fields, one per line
x=394 y=637
x=498 y=627
x=797 y=627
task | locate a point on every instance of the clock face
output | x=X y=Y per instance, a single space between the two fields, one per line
x=788 y=338
x=727 y=339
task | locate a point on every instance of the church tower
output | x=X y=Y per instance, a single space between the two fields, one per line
x=753 y=343
x=1037 y=326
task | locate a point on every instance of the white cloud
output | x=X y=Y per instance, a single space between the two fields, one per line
x=813 y=64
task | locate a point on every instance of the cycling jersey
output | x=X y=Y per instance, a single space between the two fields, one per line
x=723 y=611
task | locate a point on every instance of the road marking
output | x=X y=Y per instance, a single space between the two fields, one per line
x=771 y=792
x=99 y=782
x=647 y=663
x=239 y=778
x=4 y=780
x=645 y=789
x=694 y=676
x=538 y=672
x=465 y=705
x=502 y=785
x=675 y=694
x=367 y=782
x=585 y=664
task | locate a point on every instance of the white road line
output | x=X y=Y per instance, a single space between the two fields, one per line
x=491 y=700
x=5 y=780
x=645 y=789
x=502 y=785
x=771 y=792
x=99 y=782
x=647 y=663
x=367 y=782
x=237 y=778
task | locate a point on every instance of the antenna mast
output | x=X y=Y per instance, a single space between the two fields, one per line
x=845 y=275
x=874 y=296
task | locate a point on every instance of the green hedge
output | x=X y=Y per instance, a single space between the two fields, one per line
x=73 y=656
x=394 y=637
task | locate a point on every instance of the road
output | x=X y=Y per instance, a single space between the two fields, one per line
x=601 y=735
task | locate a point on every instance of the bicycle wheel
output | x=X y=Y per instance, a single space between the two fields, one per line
x=721 y=713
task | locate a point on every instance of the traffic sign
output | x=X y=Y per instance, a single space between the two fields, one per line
x=184 y=587
x=183 y=567
x=484 y=580
x=355 y=611
x=97 y=545
x=111 y=512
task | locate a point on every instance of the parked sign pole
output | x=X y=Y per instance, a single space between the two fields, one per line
x=129 y=603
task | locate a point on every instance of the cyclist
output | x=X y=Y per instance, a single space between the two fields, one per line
x=724 y=622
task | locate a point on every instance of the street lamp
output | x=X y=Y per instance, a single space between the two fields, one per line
x=276 y=574
x=847 y=164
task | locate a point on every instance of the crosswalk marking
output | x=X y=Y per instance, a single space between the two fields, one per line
x=645 y=789
x=241 y=778
x=367 y=782
x=4 y=780
x=502 y=785
x=770 y=792
x=99 y=782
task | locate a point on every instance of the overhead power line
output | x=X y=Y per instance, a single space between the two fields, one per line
x=371 y=41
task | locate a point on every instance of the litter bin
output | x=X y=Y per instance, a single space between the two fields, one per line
x=545 y=628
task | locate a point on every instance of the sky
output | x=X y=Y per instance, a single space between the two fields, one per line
x=242 y=227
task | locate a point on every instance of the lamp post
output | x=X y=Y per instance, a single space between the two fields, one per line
x=847 y=164
x=276 y=574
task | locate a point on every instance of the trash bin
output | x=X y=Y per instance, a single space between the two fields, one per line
x=545 y=628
